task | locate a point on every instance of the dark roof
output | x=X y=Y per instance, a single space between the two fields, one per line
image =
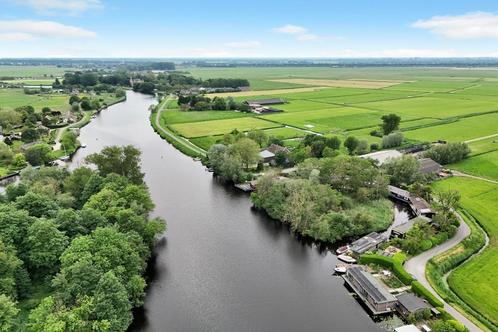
x=366 y=243
x=405 y=227
x=411 y=302
x=270 y=101
x=274 y=148
x=398 y=191
x=427 y=165
x=373 y=287
x=420 y=204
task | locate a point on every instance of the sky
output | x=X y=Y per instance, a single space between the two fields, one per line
x=270 y=28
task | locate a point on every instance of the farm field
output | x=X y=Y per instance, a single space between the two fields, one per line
x=31 y=71
x=483 y=165
x=484 y=145
x=262 y=93
x=12 y=98
x=461 y=130
x=475 y=280
x=366 y=84
x=217 y=127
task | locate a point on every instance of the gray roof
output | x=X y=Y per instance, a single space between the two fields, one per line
x=412 y=303
x=266 y=154
x=405 y=227
x=427 y=165
x=366 y=243
x=373 y=287
x=407 y=328
x=270 y=101
x=398 y=191
x=382 y=156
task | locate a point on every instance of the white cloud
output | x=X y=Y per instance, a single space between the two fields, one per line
x=244 y=44
x=69 y=6
x=467 y=26
x=15 y=36
x=29 y=29
x=302 y=34
x=290 y=29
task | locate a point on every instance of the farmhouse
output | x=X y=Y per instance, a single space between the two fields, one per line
x=366 y=243
x=267 y=156
x=409 y=303
x=261 y=106
x=429 y=166
x=419 y=206
x=401 y=230
x=370 y=290
x=382 y=156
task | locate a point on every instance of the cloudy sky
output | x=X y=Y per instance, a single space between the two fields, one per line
x=270 y=28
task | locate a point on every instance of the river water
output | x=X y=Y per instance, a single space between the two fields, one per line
x=221 y=266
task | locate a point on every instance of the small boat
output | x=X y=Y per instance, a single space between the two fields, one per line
x=342 y=250
x=83 y=145
x=347 y=259
x=341 y=268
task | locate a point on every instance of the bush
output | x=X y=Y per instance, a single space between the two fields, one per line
x=392 y=140
x=419 y=289
x=448 y=153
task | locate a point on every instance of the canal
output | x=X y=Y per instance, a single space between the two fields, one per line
x=221 y=266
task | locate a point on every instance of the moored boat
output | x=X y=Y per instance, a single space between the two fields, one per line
x=342 y=250
x=341 y=268
x=347 y=259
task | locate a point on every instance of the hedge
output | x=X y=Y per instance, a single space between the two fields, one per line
x=419 y=289
x=394 y=264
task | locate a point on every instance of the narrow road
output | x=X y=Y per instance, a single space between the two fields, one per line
x=416 y=266
x=185 y=142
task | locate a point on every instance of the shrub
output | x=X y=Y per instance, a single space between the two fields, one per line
x=448 y=153
x=419 y=289
x=392 y=140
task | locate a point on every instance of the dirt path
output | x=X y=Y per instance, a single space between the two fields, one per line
x=465 y=175
x=481 y=138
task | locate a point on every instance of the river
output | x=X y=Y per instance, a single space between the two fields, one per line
x=221 y=266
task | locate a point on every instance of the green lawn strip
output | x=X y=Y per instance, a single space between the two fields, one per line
x=484 y=165
x=285 y=133
x=440 y=265
x=475 y=281
x=483 y=146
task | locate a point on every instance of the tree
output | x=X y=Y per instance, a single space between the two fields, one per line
x=37 y=205
x=362 y=147
x=46 y=243
x=248 y=150
x=69 y=141
x=258 y=136
x=351 y=143
x=404 y=170
x=85 y=104
x=75 y=107
x=9 y=118
x=448 y=153
x=120 y=93
x=392 y=140
x=6 y=154
x=10 y=265
x=111 y=302
x=333 y=143
x=124 y=161
x=74 y=99
x=30 y=135
x=390 y=123
x=219 y=104
x=75 y=183
x=38 y=154
x=14 y=225
x=8 y=314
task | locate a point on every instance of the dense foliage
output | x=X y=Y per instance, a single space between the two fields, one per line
x=82 y=239
x=329 y=199
x=448 y=153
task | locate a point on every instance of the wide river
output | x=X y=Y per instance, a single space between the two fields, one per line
x=221 y=266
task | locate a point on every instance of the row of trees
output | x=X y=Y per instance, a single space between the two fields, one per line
x=85 y=237
x=203 y=103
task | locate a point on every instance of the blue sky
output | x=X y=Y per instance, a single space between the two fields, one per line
x=271 y=28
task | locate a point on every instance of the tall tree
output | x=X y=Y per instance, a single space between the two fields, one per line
x=390 y=123
x=124 y=161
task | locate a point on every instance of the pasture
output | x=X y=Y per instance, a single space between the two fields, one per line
x=12 y=98
x=365 y=84
x=31 y=71
x=475 y=280
x=218 y=127
x=483 y=165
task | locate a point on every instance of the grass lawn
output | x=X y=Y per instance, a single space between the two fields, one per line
x=32 y=71
x=475 y=281
x=485 y=145
x=461 y=130
x=435 y=107
x=484 y=165
x=12 y=98
x=285 y=133
x=172 y=116
x=218 y=127
x=431 y=86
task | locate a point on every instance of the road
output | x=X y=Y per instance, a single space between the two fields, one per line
x=416 y=266
x=183 y=141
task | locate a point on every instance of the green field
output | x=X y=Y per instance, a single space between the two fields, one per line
x=483 y=165
x=484 y=145
x=217 y=127
x=32 y=71
x=12 y=98
x=475 y=281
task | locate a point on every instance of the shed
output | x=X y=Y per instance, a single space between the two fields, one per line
x=420 y=206
x=409 y=303
x=429 y=166
x=267 y=156
x=366 y=243
x=275 y=148
x=399 y=193
x=374 y=294
x=264 y=102
x=401 y=230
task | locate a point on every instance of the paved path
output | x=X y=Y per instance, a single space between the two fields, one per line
x=185 y=142
x=465 y=175
x=416 y=266
x=481 y=138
